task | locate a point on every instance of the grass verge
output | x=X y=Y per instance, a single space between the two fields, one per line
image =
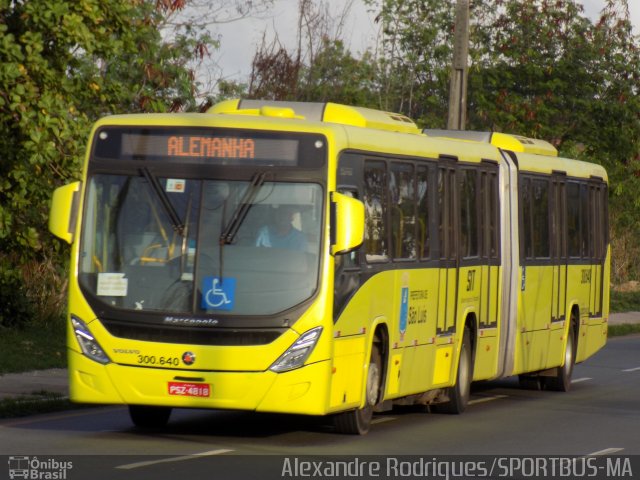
x=32 y=348
x=43 y=402
x=624 y=302
x=624 y=329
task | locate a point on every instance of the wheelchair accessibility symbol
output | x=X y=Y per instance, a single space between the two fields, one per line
x=218 y=293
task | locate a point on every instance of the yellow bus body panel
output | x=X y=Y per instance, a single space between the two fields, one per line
x=348 y=372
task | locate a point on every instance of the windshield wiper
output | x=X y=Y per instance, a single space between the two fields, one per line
x=176 y=223
x=240 y=213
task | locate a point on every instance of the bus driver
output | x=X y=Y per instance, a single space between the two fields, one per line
x=282 y=233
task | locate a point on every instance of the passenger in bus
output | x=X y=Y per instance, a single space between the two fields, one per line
x=282 y=233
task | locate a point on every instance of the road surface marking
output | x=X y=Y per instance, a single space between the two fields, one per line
x=606 y=451
x=193 y=456
x=583 y=379
x=631 y=369
x=487 y=399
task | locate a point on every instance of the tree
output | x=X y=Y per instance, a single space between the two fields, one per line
x=415 y=58
x=526 y=63
x=320 y=68
x=336 y=76
x=200 y=18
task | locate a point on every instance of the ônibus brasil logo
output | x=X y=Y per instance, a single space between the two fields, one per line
x=35 y=468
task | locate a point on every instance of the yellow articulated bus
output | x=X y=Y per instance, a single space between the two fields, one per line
x=322 y=259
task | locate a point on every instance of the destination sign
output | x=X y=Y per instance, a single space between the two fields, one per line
x=209 y=146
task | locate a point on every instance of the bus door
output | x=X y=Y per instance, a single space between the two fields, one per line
x=484 y=282
x=447 y=272
x=538 y=272
x=490 y=237
x=559 y=249
x=447 y=240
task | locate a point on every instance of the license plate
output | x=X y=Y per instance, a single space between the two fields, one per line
x=184 y=389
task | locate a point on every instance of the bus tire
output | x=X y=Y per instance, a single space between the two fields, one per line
x=145 y=416
x=460 y=392
x=561 y=382
x=358 y=421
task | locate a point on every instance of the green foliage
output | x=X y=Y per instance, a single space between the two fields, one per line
x=625 y=301
x=42 y=402
x=32 y=348
x=532 y=55
x=63 y=64
x=624 y=329
x=14 y=306
x=332 y=75
x=416 y=56
x=336 y=76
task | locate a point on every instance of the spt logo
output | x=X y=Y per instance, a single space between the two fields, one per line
x=188 y=358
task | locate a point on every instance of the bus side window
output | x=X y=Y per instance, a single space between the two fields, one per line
x=573 y=219
x=375 y=204
x=541 y=237
x=422 y=193
x=534 y=202
x=467 y=186
x=403 y=211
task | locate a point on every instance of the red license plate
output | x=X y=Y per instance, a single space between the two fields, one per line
x=184 y=389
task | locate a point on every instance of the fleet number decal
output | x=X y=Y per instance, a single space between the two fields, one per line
x=163 y=361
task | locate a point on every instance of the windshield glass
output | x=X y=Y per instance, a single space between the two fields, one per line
x=156 y=244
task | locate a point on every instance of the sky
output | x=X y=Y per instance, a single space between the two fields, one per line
x=240 y=39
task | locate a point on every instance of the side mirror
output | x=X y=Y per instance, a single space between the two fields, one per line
x=347 y=223
x=64 y=211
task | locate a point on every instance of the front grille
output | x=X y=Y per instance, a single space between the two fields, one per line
x=192 y=335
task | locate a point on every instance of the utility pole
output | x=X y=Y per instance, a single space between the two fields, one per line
x=459 y=70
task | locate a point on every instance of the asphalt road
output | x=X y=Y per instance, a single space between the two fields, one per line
x=599 y=416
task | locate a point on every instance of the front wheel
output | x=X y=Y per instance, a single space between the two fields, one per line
x=358 y=422
x=460 y=392
x=144 y=416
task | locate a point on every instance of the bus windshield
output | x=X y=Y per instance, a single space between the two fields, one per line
x=163 y=244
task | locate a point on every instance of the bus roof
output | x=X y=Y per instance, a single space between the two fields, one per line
x=320 y=112
x=515 y=143
x=565 y=166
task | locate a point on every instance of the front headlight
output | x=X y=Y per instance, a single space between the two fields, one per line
x=297 y=353
x=88 y=344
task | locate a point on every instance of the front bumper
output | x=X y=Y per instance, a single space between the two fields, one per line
x=301 y=391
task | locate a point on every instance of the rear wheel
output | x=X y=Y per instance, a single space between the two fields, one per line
x=145 y=416
x=358 y=422
x=561 y=382
x=460 y=392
